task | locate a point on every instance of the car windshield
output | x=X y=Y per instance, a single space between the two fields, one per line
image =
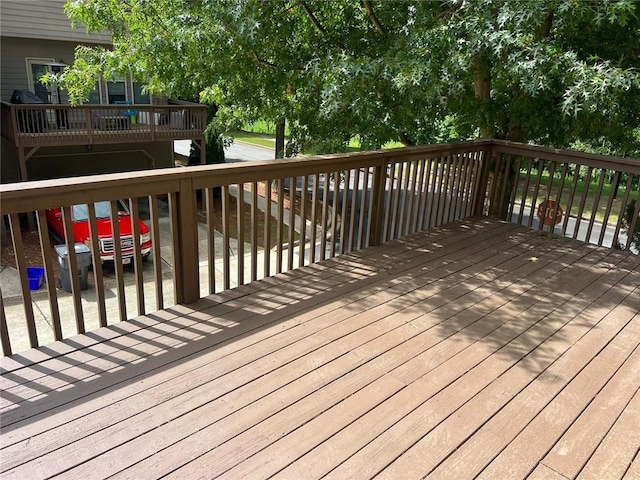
x=103 y=210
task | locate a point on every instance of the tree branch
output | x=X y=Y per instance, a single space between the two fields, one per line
x=372 y=16
x=545 y=29
x=313 y=18
x=262 y=61
x=318 y=25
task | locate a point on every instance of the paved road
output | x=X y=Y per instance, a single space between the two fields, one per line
x=237 y=152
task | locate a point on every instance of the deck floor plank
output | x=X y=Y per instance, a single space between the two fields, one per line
x=515 y=347
x=225 y=367
x=615 y=454
x=318 y=341
x=479 y=347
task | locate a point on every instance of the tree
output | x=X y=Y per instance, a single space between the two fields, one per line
x=550 y=71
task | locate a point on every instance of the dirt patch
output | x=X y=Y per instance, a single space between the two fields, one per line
x=247 y=224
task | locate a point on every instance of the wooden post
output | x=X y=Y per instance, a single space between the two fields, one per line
x=203 y=151
x=482 y=183
x=377 y=202
x=187 y=237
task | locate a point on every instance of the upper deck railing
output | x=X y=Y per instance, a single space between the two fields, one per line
x=37 y=125
x=215 y=227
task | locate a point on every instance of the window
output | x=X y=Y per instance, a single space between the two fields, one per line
x=138 y=95
x=36 y=68
x=116 y=91
x=94 y=96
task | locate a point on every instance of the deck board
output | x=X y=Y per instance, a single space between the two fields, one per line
x=478 y=348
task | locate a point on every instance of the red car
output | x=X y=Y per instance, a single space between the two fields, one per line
x=79 y=221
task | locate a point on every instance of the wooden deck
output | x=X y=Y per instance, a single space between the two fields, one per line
x=476 y=349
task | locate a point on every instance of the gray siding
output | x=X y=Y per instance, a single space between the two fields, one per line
x=13 y=73
x=43 y=19
x=76 y=160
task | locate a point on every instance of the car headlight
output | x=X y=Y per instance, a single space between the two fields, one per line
x=145 y=237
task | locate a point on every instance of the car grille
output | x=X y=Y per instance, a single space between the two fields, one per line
x=126 y=243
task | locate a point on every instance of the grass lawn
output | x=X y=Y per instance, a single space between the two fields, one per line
x=262 y=133
x=591 y=188
x=258 y=139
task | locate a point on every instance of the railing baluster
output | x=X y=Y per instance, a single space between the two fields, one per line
x=433 y=203
x=442 y=191
x=596 y=202
x=396 y=202
x=254 y=231
x=536 y=190
x=343 y=216
x=211 y=239
x=572 y=193
x=623 y=206
x=279 y=233
x=240 y=239
x=547 y=195
x=293 y=184
x=556 y=209
x=18 y=248
x=226 y=260
x=403 y=201
x=467 y=199
x=325 y=214
x=634 y=223
x=137 y=254
x=428 y=196
x=45 y=248
x=334 y=212
x=391 y=169
x=583 y=201
x=303 y=220
x=419 y=210
x=455 y=187
x=5 y=342
x=525 y=190
x=267 y=229
x=155 y=245
x=354 y=209
x=607 y=212
x=117 y=260
x=514 y=189
x=362 y=241
x=413 y=210
x=97 y=264
x=314 y=216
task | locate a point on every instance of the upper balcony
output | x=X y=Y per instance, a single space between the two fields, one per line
x=343 y=316
x=38 y=125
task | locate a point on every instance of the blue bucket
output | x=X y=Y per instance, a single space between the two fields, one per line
x=36 y=277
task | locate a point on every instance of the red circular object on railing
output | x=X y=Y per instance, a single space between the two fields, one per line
x=546 y=210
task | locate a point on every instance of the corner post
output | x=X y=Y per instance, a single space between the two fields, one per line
x=482 y=181
x=185 y=234
x=377 y=202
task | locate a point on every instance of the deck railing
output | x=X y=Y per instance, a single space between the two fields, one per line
x=593 y=198
x=216 y=227
x=38 y=125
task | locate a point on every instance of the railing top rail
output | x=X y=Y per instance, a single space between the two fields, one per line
x=28 y=196
x=630 y=165
x=133 y=106
x=45 y=194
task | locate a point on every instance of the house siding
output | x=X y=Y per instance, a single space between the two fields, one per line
x=77 y=160
x=15 y=51
x=43 y=19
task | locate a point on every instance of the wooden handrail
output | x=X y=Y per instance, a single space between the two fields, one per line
x=350 y=201
x=34 y=125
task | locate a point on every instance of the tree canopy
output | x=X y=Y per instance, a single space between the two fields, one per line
x=554 y=72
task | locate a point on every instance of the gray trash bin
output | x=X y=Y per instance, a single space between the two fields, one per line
x=83 y=256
